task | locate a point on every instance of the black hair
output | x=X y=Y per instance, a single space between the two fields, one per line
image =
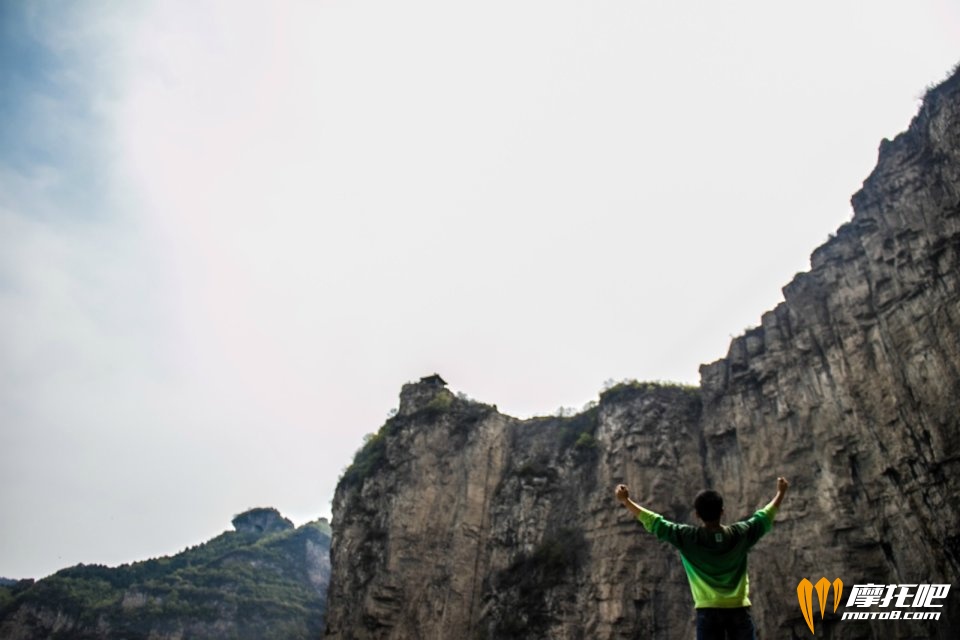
x=709 y=505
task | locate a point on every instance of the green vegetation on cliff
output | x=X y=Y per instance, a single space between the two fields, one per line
x=432 y=405
x=620 y=391
x=240 y=584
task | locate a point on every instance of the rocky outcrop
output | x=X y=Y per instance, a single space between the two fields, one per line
x=250 y=584
x=261 y=521
x=456 y=521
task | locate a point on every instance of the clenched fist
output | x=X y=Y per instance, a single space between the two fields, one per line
x=623 y=493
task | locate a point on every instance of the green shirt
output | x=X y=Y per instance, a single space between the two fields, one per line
x=715 y=561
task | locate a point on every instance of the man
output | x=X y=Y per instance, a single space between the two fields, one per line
x=715 y=559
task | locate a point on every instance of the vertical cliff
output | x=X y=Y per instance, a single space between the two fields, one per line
x=456 y=521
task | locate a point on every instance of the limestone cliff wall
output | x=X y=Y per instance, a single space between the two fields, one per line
x=459 y=522
x=853 y=385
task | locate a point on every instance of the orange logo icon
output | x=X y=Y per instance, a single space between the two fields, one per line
x=805 y=596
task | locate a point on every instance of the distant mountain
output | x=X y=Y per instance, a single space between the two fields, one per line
x=266 y=579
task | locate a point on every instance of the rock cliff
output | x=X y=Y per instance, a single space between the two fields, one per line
x=264 y=580
x=260 y=521
x=456 y=521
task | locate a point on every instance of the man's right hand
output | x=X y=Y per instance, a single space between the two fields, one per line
x=782 y=485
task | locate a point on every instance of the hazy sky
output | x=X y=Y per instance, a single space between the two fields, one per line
x=230 y=231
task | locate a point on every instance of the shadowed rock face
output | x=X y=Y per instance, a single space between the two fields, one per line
x=466 y=523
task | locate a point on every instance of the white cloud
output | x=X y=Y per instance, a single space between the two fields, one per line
x=310 y=204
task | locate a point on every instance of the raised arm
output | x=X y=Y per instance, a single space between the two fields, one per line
x=782 y=486
x=653 y=522
x=623 y=495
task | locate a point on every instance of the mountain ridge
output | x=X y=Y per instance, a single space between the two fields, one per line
x=265 y=579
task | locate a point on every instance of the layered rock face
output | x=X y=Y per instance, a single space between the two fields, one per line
x=456 y=521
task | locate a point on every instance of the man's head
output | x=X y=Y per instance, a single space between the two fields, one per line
x=709 y=505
